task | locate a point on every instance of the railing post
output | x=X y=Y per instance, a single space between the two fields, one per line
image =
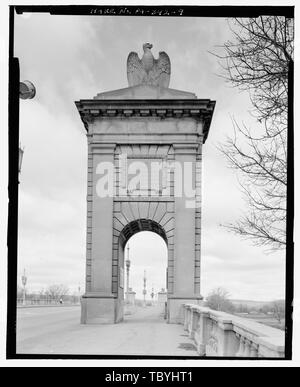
x=247 y=348
x=186 y=321
x=201 y=332
x=240 y=352
x=193 y=322
x=227 y=343
x=253 y=350
x=190 y=318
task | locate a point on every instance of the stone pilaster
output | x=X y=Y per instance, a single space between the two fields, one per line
x=98 y=302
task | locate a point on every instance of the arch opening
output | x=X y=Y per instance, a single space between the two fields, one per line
x=142 y=225
x=145 y=282
x=149 y=252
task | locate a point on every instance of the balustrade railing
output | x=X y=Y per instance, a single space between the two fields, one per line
x=46 y=301
x=221 y=334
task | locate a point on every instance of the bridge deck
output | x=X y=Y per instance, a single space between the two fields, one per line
x=56 y=330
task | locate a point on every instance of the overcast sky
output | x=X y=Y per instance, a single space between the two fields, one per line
x=70 y=58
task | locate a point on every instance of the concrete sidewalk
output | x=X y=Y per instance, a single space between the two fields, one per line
x=58 y=331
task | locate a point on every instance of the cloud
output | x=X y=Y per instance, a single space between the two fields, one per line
x=51 y=241
x=53 y=54
x=55 y=154
x=245 y=271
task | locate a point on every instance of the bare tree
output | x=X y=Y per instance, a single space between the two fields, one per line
x=41 y=292
x=57 y=291
x=258 y=60
x=218 y=299
x=278 y=309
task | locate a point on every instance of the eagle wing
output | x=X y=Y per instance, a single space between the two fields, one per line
x=135 y=69
x=162 y=70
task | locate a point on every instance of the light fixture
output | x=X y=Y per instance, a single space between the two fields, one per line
x=26 y=90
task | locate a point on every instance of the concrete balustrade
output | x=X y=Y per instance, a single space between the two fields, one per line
x=221 y=334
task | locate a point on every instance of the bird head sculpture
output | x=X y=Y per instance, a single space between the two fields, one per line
x=147 y=46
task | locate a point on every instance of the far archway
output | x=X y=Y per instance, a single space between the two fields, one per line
x=146 y=254
x=134 y=231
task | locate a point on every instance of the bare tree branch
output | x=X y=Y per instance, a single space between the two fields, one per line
x=257 y=60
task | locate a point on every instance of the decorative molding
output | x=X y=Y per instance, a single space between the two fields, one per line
x=199 y=109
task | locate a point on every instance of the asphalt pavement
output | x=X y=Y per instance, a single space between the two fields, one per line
x=57 y=330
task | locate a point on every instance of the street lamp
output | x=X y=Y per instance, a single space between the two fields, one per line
x=144 y=290
x=79 y=294
x=152 y=295
x=127 y=262
x=24 y=281
x=26 y=90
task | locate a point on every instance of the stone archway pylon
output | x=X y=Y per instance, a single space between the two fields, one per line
x=147 y=124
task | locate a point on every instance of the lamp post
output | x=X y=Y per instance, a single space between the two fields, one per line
x=24 y=281
x=127 y=262
x=152 y=295
x=26 y=91
x=79 y=293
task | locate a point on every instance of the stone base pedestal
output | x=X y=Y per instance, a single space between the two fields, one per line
x=175 y=308
x=99 y=310
x=130 y=297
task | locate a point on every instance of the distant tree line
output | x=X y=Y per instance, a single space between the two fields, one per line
x=52 y=294
x=218 y=299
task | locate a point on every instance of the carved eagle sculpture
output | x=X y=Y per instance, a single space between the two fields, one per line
x=148 y=71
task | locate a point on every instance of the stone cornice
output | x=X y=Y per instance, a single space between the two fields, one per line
x=198 y=109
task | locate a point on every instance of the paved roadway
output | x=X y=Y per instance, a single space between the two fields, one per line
x=56 y=330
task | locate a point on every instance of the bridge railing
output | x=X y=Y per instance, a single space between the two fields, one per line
x=45 y=301
x=221 y=334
